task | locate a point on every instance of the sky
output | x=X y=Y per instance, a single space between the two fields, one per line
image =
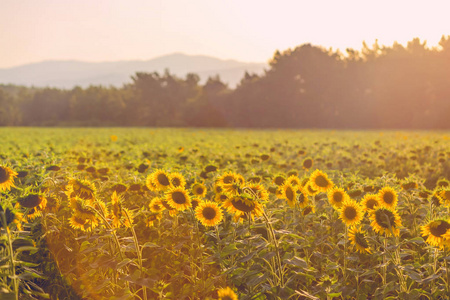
x=245 y=30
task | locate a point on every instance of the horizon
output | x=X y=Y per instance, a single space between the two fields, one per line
x=251 y=31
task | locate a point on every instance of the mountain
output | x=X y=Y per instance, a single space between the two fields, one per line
x=67 y=74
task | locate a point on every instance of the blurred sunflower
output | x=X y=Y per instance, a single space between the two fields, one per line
x=6 y=178
x=83 y=223
x=12 y=217
x=307 y=163
x=178 y=198
x=358 y=239
x=208 y=213
x=310 y=209
x=310 y=190
x=436 y=230
x=80 y=188
x=119 y=214
x=351 y=212
x=302 y=197
x=279 y=180
x=293 y=180
x=177 y=179
x=156 y=205
x=199 y=190
x=385 y=220
x=32 y=200
x=387 y=197
x=444 y=196
x=152 y=218
x=289 y=194
x=337 y=196
x=319 y=181
x=242 y=205
x=370 y=201
x=227 y=294
x=160 y=179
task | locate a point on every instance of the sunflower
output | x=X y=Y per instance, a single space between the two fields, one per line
x=178 y=198
x=230 y=178
x=221 y=197
x=337 y=196
x=242 y=205
x=385 y=220
x=310 y=209
x=80 y=188
x=177 y=179
x=302 y=197
x=358 y=239
x=84 y=224
x=161 y=180
x=293 y=180
x=436 y=231
x=151 y=185
x=32 y=200
x=289 y=193
x=319 y=181
x=208 y=213
x=156 y=205
x=199 y=190
x=259 y=190
x=351 y=212
x=227 y=294
x=279 y=180
x=119 y=214
x=370 y=201
x=387 y=197
x=12 y=216
x=310 y=190
x=307 y=163
x=444 y=196
x=6 y=178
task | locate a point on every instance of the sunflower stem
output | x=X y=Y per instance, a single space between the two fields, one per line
x=277 y=250
x=11 y=257
x=345 y=254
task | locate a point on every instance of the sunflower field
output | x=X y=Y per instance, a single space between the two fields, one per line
x=117 y=213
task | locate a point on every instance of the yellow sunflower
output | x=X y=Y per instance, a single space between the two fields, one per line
x=436 y=230
x=279 y=179
x=199 y=190
x=310 y=190
x=289 y=193
x=387 y=197
x=82 y=223
x=259 y=190
x=385 y=220
x=221 y=197
x=337 y=196
x=227 y=294
x=6 y=178
x=161 y=180
x=32 y=200
x=369 y=202
x=358 y=239
x=177 y=179
x=230 y=178
x=12 y=217
x=81 y=188
x=293 y=180
x=351 y=212
x=241 y=205
x=319 y=181
x=178 y=198
x=208 y=213
x=307 y=163
x=444 y=196
x=310 y=209
x=156 y=205
x=302 y=197
x=119 y=214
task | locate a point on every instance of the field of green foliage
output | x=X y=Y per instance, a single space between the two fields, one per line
x=127 y=213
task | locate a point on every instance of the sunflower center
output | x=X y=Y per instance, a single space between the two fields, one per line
x=388 y=198
x=30 y=201
x=307 y=163
x=289 y=194
x=156 y=207
x=166 y=205
x=199 y=191
x=371 y=203
x=337 y=197
x=4 y=175
x=361 y=240
x=307 y=210
x=179 y=197
x=301 y=198
x=209 y=213
x=226 y=298
x=279 y=180
x=321 y=181
x=163 y=180
x=228 y=179
x=439 y=228
x=176 y=182
x=385 y=218
x=350 y=213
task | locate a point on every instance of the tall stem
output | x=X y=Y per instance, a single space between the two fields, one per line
x=11 y=257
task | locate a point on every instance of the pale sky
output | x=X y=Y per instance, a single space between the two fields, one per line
x=246 y=30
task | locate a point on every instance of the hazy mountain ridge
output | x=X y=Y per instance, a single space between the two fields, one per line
x=67 y=74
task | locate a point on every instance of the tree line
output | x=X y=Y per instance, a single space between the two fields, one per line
x=377 y=87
